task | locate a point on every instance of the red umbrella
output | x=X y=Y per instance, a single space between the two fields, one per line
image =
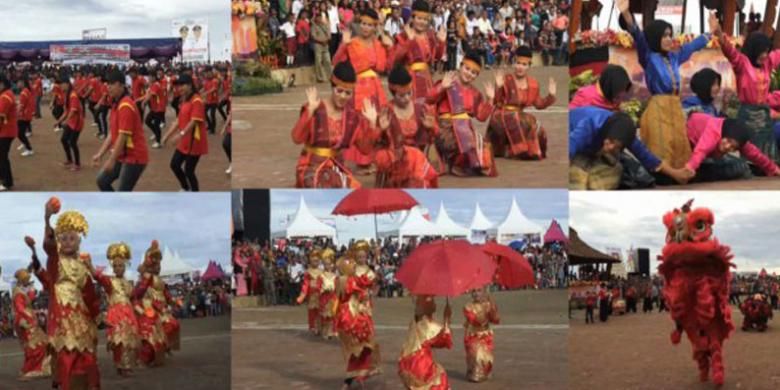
x=447 y=268
x=374 y=201
x=514 y=270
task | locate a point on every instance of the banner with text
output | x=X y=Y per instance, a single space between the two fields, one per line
x=90 y=54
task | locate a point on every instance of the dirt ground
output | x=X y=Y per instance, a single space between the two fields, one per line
x=265 y=156
x=272 y=348
x=633 y=352
x=202 y=363
x=44 y=172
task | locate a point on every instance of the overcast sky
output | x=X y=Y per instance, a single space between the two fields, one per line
x=745 y=221
x=540 y=206
x=197 y=225
x=40 y=20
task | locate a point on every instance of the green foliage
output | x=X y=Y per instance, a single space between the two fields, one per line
x=252 y=68
x=581 y=80
x=251 y=86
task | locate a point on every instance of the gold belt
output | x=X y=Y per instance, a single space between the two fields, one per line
x=321 y=152
x=367 y=73
x=510 y=107
x=463 y=115
x=418 y=66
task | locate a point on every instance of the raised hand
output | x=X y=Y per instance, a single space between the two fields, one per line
x=448 y=79
x=712 y=21
x=312 y=99
x=490 y=90
x=384 y=119
x=442 y=34
x=500 y=78
x=346 y=36
x=552 y=87
x=369 y=112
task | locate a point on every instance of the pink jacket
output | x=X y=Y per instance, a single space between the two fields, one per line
x=591 y=96
x=704 y=133
x=752 y=83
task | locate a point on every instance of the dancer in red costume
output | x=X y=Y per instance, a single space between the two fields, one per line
x=329 y=300
x=695 y=267
x=368 y=55
x=355 y=326
x=457 y=102
x=478 y=338
x=37 y=361
x=757 y=312
x=73 y=303
x=416 y=366
x=405 y=128
x=150 y=296
x=310 y=291
x=122 y=332
x=326 y=128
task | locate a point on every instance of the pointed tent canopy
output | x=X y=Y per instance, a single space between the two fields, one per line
x=305 y=224
x=172 y=264
x=213 y=271
x=555 y=233
x=448 y=227
x=516 y=224
x=413 y=225
x=479 y=223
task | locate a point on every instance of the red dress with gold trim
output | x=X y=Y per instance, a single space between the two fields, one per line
x=356 y=328
x=148 y=306
x=416 y=367
x=328 y=303
x=37 y=361
x=478 y=339
x=310 y=290
x=418 y=55
x=122 y=333
x=511 y=127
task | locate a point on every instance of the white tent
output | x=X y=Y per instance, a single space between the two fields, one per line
x=446 y=226
x=173 y=265
x=414 y=225
x=516 y=225
x=305 y=224
x=480 y=226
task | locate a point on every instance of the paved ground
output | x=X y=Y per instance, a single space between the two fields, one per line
x=273 y=350
x=43 y=171
x=202 y=363
x=265 y=155
x=633 y=352
x=756 y=183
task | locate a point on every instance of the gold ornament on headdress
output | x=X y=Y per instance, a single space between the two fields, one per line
x=72 y=221
x=361 y=245
x=315 y=254
x=328 y=255
x=22 y=276
x=346 y=266
x=118 y=252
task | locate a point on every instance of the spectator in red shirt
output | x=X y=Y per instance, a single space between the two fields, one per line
x=302 y=35
x=191 y=134
x=8 y=131
x=37 y=89
x=590 y=305
x=129 y=154
x=25 y=115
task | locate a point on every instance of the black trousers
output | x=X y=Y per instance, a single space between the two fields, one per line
x=93 y=108
x=183 y=166
x=6 y=177
x=211 y=117
x=227 y=146
x=70 y=142
x=335 y=41
x=102 y=119
x=223 y=108
x=140 y=110
x=56 y=111
x=154 y=120
x=175 y=104
x=24 y=128
x=128 y=175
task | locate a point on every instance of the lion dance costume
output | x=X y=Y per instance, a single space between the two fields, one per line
x=757 y=312
x=696 y=268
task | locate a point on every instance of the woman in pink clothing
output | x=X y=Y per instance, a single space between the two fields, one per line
x=613 y=87
x=713 y=139
x=753 y=68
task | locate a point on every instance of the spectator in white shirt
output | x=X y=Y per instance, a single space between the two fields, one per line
x=394 y=24
x=297 y=6
x=484 y=24
x=471 y=23
x=288 y=28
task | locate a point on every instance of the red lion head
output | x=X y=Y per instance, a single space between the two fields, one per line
x=686 y=225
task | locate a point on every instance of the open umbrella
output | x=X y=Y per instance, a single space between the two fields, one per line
x=513 y=270
x=447 y=268
x=374 y=201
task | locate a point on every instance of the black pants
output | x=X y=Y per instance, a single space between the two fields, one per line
x=140 y=110
x=93 y=107
x=647 y=305
x=102 y=120
x=6 y=177
x=175 y=104
x=211 y=117
x=24 y=127
x=128 y=175
x=70 y=142
x=335 y=40
x=223 y=108
x=589 y=315
x=154 y=120
x=227 y=146
x=56 y=111
x=183 y=166
x=603 y=310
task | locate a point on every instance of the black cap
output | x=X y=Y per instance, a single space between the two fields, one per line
x=114 y=76
x=184 y=79
x=523 y=51
x=421 y=6
x=399 y=76
x=371 y=13
x=344 y=72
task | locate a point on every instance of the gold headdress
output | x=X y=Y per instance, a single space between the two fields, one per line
x=22 y=276
x=346 y=266
x=315 y=254
x=361 y=245
x=118 y=252
x=153 y=254
x=72 y=221
x=328 y=255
